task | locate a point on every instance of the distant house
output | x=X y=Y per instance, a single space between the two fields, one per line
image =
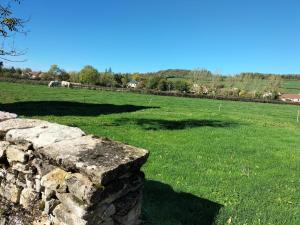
x=32 y=74
x=290 y=97
x=132 y=84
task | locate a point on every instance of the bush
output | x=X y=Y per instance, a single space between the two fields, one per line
x=182 y=86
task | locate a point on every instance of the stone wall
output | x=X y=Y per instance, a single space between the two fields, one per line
x=56 y=175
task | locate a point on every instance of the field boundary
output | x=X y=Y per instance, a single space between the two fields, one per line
x=152 y=92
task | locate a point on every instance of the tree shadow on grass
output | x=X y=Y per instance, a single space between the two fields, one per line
x=163 y=206
x=64 y=108
x=158 y=124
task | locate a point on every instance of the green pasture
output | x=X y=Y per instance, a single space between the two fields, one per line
x=211 y=162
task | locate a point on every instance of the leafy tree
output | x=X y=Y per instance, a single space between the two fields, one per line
x=89 y=75
x=9 y=26
x=125 y=79
x=107 y=80
x=57 y=73
x=74 y=77
x=152 y=82
x=162 y=85
x=182 y=86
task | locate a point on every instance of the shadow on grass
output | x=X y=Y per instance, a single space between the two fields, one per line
x=64 y=108
x=158 y=124
x=163 y=206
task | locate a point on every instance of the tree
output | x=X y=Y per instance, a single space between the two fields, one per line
x=9 y=26
x=89 y=75
x=152 y=82
x=162 y=85
x=57 y=73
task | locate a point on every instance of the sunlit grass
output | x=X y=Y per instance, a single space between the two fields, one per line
x=239 y=165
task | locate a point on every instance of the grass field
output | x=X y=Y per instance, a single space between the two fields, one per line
x=239 y=165
x=291 y=86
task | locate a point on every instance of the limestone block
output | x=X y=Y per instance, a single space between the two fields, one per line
x=50 y=206
x=129 y=209
x=55 y=180
x=12 y=193
x=101 y=214
x=73 y=204
x=19 y=124
x=28 y=196
x=42 y=167
x=80 y=186
x=63 y=216
x=16 y=154
x=44 y=134
x=3 y=147
x=7 y=116
x=102 y=160
x=10 y=178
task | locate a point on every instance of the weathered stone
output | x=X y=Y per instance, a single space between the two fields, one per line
x=80 y=186
x=107 y=222
x=43 y=220
x=73 y=204
x=50 y=206
x=19 y=124
x=42 y=167
x=37 y=185
x=16 y=154
x=10 y=178
x=55 y=180
x=23 y=168
x=7 y=116
x=102 y=212
x=129 y=209
x=121 y=187
x=28 y=197
x=70 y=177
x=102 y=160
x=3 y=147
x=12 y=193
x=43 y=135
x=62 y=215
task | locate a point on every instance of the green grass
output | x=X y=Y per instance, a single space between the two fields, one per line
x=291 y=86
x=240 y=165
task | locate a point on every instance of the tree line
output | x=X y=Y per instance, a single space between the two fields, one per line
x=199 y=81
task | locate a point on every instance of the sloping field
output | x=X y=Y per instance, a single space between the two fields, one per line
x=236 y=165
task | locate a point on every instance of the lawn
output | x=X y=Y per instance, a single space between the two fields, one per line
x=236 y=165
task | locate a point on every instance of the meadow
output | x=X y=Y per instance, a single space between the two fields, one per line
x=291 y=86
x=211 y=162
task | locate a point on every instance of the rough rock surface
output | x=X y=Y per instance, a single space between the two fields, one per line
x=100 y=159
x=44 y=134
x=52 y=174
x=7 y=116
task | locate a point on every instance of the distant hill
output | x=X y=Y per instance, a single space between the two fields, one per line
x=170 y=73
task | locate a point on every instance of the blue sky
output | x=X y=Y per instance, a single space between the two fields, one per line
x=224 y=36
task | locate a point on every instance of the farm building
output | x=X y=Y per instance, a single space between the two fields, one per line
x=132 y=84
x=290 y=97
